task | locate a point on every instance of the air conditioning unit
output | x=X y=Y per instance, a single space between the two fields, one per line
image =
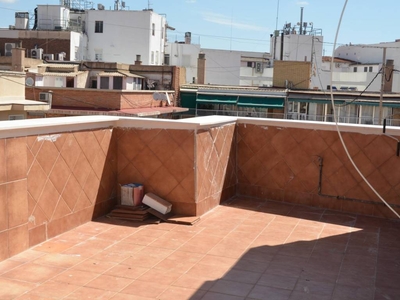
x=48 y=56
x=45 y=97
x=259 y=67
x=37 y=53
x=60 y=56
x=8 y=49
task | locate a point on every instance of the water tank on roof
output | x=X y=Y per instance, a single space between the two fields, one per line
x=21 y=20
x=52 y=17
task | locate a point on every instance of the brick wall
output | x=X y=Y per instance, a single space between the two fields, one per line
x=49 y=45
x=83 y=98
x=297 y=73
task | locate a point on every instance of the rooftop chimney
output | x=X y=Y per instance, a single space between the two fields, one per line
x=201 y=68
x=188 y=37
x=18 y=59
x=138 y=60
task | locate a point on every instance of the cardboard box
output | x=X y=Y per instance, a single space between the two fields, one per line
x=132 y=194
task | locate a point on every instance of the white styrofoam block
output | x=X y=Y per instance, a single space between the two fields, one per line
x=127 y=195
x=157 y=203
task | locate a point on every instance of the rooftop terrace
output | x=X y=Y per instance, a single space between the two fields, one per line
x=283 y=213
x=244 y=249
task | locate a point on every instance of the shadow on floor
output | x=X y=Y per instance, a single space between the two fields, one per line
x=311 y=253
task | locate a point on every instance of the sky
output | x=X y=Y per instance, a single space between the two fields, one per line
x=247 y=25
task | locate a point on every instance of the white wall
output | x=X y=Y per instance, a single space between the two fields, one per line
x=78 y=46
x=298 y=47
x=184 y=55
x=360 y=80
x=371 y=54
x=222 y=66
x=50 y=16
x=125 y=35
x=248 y=77
x=54 y=81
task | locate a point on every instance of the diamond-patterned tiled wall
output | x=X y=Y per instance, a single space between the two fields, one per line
x=13 y=198
x=162 y=160
x=215 y=167
x=284 y=164
x=70 y=180
x=50 y=184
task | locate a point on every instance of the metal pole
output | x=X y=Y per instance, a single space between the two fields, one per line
x=382 y=86
x=277 y=16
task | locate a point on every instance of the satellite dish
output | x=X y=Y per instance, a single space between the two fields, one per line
x=29 y=81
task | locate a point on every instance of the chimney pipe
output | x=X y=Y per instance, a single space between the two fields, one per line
x=138 y=60
x=188 y=37
x=18 y=59
x=201 y=68
x=301 y=20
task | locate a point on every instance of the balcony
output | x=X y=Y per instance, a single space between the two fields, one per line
x=283 y=213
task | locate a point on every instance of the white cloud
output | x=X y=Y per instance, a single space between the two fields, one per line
x=302 y=3
x=8 y=1
x=225 y=20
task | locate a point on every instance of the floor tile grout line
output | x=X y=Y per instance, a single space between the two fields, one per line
x=341 y=263
x=376 y=263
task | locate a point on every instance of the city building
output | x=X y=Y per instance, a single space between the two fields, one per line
x=14 y=105
x=73 y=31
x=222 y=67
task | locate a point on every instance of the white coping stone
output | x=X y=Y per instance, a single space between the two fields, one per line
x=343 y=127
x=28 y=127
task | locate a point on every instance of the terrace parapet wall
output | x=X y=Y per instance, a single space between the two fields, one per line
x=58 y=173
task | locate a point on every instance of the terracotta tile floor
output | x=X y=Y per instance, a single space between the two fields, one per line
x=244 y=249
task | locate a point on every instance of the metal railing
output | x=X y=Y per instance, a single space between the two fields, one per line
x=390 y=121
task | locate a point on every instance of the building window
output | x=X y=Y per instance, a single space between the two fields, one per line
x=365 y=69
x=370 y=69
x=93 y=83
x=104 y=83
x=157 y=57
x=249 y=64
x=98 y=27
x=76 y=53
x=166 y=59
x=16 y=117
x=153 y=29
x=152 y=57
x=355 y=69
x=98 y=54
x=117 y=83
x=70 y=82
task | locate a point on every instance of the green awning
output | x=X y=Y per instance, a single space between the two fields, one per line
x=265 y=102
x=319 y=101
x=188 y=100
x=216 y=99
x=385 y=104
